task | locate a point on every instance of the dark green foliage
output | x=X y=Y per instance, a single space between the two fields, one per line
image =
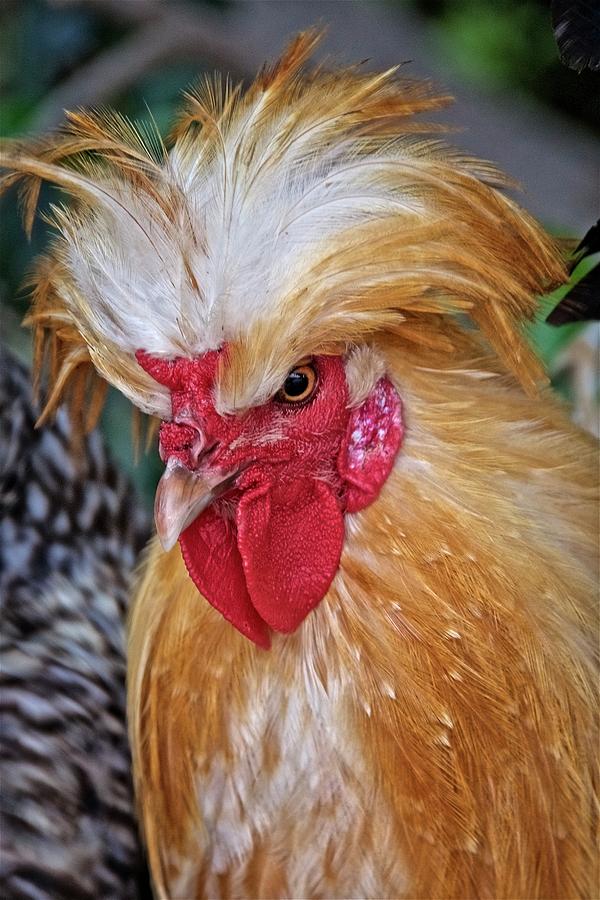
x=511 y=44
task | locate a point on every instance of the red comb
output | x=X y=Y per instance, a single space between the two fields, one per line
x=165 y=371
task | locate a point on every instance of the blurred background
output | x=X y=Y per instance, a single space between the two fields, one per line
x=516 y=104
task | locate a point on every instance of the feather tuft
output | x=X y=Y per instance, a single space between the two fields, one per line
x=310 y=211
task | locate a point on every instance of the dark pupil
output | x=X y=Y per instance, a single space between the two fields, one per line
x=295 y=384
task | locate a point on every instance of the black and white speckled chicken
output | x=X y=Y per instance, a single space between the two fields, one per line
x=70 y=531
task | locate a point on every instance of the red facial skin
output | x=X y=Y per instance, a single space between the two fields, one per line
x=266 y=551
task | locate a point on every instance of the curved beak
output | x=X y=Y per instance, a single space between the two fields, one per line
x=181 y=496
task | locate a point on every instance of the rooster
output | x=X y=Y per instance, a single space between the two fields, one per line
x=361 y=664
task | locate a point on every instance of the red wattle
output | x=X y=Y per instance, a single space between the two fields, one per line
x=210 y=552
x=290 y=538
x=273 y=565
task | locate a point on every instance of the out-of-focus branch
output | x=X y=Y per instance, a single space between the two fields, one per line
x=125 y=12
x=164 y=32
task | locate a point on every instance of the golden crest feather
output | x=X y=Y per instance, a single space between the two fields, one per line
x=368 y=223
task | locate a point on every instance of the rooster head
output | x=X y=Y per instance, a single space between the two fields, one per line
x=257 y=499
x=248 y=283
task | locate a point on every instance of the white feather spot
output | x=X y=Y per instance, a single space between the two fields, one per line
x=471 y=844
x=453 y=634
x=446 y=720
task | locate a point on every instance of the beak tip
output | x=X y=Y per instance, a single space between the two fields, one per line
x=180 y=498
x=167 y=542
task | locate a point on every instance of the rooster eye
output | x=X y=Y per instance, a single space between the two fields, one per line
x=298 y=386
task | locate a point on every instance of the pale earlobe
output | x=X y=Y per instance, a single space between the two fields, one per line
x=373 y=438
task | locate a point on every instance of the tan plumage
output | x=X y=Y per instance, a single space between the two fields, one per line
x=429 y=730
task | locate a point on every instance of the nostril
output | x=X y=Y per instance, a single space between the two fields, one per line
x=185 y=418
x=187 y=443
x=200 y=453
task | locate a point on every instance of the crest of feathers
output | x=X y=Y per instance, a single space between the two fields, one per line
x=313 y=210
